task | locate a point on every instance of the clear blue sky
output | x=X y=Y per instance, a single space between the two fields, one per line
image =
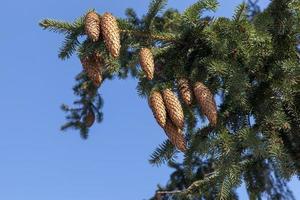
x=37 y=161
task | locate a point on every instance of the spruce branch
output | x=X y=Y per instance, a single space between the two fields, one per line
x=132 y=16
x=167 y=37
x=240 y=12
x=163 y=153
x=72 y=32
x=69 y=46
x=207 y=179
x=191 y=189
x=154 y=7
x=193 y=13
x=160 y=194
x=252 y=64
x=58 y=26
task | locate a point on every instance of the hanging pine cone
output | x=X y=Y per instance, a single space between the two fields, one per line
x=111 y=34
x=158 y=108
x=92 y=25
x=174 y=108
x=92 y=66
x=206 y=101
x=185 y=91
x=175 y=135
x=90 y=118
x=147 y=62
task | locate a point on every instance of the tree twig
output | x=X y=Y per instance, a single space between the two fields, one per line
x=208 y=177
x=190 y=189
x=167 y=38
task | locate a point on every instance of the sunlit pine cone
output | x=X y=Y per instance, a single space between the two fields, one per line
x=174 y=108
x=175 y=135
x=158 y=108
x=207 y=102
x=92 y=25
x=185 y=91
x=147 y=62
x=111 y=34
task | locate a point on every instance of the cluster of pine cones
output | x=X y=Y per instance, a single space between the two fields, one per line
x=165 y=105
x=167 y=108
x=95 y=26
x=168 y=111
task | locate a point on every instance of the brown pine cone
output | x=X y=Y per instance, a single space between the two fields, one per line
x=90 y=118
x=111 y=34
x=158 y=108
x=93 y=66
x=147 y=62
x=174 y=108
x=185 y=91
x=207 y=102
x=92 y=25
x=175 y=135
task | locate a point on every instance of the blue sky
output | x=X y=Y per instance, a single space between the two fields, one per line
x=37 y=160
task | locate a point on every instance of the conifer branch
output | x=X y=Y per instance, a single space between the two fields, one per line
x=159 y=194
x=69 y=46
x=241 y=12
x=154 y=7
x=63 y=27
x=57 y=26
x=252 y=63
x=193 y=13
x=163 y=153
x=153 y=36
x=199 y=183
x=190 y=189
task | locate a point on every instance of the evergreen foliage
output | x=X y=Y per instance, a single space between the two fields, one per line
x=250 y=62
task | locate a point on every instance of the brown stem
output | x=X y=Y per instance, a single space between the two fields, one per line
x=190 y=189
x=207 y=178
x=159 y=194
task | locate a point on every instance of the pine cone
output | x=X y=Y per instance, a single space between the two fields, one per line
x=92 y=66
x=185 y=91
x=111 y=34
x=92 y=25
x=90 y=118
x=147 y=62
x=158 y=108
x=206 y=101
x=175 y=135
x=174 y=108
